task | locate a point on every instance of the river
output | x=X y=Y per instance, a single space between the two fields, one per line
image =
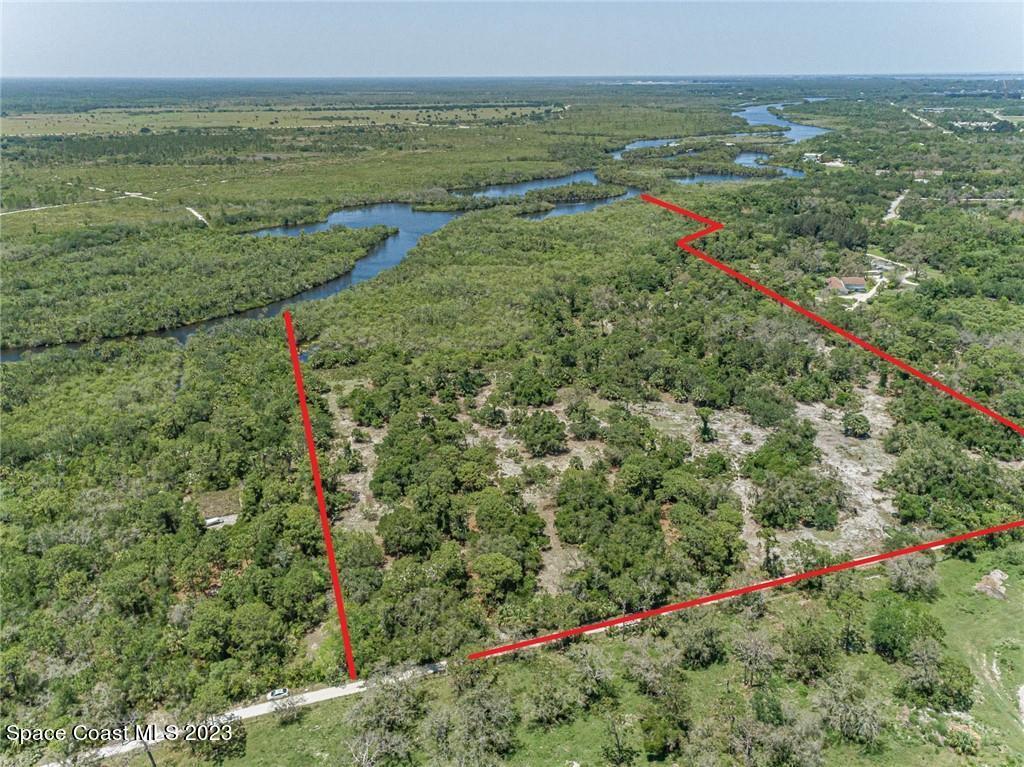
x=413 y=224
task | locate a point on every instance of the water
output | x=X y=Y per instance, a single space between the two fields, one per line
x=747 y=160
x=414 y=224
x=643 y=144
x=757 y=160
x=511 y=190
x=760 y=115
x=572 y=208
x=411 y=224
x=710 y=178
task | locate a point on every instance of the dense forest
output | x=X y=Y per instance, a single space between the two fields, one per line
x=118 y=281
x=524 y=426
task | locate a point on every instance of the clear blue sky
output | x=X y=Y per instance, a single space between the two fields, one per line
x=292 y=39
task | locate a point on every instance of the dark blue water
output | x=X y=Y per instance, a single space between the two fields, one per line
x=413 y=224
x=747 y=160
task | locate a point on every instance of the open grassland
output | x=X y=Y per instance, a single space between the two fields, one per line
x=118 y=121
x=336 y=166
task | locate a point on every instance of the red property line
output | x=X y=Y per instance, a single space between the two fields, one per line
x=774 y=583
x=710 y=226
x=325 y=523
x=714 y=226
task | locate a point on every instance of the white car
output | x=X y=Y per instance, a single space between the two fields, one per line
x=280 y=692
x=213 y=521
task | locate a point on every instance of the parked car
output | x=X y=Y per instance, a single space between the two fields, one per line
x=212 y=521
x=280 y=692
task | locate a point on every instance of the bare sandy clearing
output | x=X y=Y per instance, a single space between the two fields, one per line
x=857 y=463
x=363 y=515
x=557 y=558
x=894 y=207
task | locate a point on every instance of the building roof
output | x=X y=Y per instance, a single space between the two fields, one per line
x=857 y=282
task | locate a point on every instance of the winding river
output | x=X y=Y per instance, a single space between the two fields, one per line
x=413 y=224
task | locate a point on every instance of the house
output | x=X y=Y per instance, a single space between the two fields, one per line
x=844 y=285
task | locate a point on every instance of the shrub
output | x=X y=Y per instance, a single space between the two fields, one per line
x=542 y=434
x=897 y=624
x=856 y=425
x=962 y=742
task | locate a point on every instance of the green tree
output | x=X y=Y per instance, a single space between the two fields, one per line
x=528 y=386
x=935 y=680
x=582 y=422
x=209 y=630
x=812 y=643
x=707 y=434
x=257 y=633
x=849 y=709
x=542 y=433
x=404 y=531
x=496 y=576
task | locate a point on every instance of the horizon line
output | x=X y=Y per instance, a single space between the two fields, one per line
x=824 y=75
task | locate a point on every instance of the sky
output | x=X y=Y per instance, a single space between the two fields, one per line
x=299 y=39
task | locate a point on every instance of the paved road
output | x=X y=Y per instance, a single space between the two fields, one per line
x=262 y=709
x=929 y=123
x=302 y=699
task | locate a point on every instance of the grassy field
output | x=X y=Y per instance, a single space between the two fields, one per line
x=116 y=121
x=83 y=184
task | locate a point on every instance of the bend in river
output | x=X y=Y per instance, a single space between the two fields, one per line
x=414 y=224
x=762 y=115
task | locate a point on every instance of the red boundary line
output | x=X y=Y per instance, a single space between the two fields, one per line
x=714 y=226
x=775 y=582
x=325 y=523
x=711 y=226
